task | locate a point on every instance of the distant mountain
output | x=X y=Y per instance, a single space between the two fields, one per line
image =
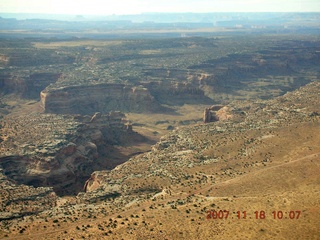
x=172 y=17
x=78 y=26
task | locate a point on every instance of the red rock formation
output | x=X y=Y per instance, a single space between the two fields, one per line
x=98 y=98
x=224 y=113
x=27 y=86
x=216 y=113
x=207 y=116
x=92 y=183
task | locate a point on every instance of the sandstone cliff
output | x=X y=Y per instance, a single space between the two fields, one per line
x=27 y=85
x=175 y=92
x=100 y=97
x=217 y=113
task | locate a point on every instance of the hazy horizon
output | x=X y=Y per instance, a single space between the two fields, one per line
x=124 y=7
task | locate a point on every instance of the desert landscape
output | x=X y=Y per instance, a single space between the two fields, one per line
x=160 y=131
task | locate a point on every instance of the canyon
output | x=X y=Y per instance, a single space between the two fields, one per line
x=61 y=151
x=72 y=85
x=130 y=138
x=266 y=159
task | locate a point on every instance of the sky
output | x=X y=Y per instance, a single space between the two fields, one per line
x=109 y=7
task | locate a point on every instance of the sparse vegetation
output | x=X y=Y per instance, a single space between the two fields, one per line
x=264 y=158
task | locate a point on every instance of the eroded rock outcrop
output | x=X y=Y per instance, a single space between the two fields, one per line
x=178 y=92
x=217 y=113
x=100 y=97
x=93 y=183
x=62 y=151
x=27 y=86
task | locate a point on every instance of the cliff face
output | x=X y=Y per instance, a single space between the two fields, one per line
x=101 y=97
x=178 y=93
x=27 y=86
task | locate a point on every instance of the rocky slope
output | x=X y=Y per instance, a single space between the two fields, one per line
x=19 y=200
x=264 y=159
x=256 y=156
x=250 y=135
